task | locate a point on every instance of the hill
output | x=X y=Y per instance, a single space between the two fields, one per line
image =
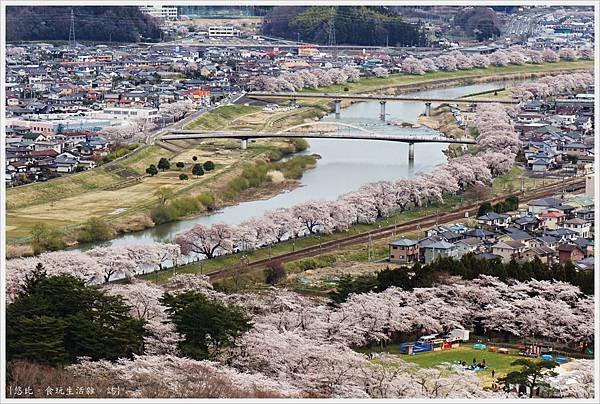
x=368 y=26
x=92 y=23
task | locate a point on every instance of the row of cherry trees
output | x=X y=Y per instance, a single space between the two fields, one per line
x=96 y=266
x=372 y=201
x=497 y=145
x=553 y=85
x=516 y=55
x=302 y=346
x=455 y=60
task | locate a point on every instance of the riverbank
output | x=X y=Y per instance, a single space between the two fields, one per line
x=65 y=203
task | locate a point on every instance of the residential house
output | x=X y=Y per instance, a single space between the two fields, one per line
x=582 y=227
x=493 y=220
x=508 y=249
x=403 y=251
x=434 y=249
x=569 y=252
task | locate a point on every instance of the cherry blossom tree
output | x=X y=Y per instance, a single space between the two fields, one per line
x=567 y=54
x=352 y=72
x=208 y=241
x=586 y=53
x=446 y=62
x=480 y=61
x=428 y=65
x=499 y=58
x=412 y=65
x=381 y=72
x=315 y=216
x=549 y=55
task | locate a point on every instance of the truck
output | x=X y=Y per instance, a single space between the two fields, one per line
x=458 y=335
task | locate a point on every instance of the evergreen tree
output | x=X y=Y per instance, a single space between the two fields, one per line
x=151 y=170
x=208 y=165
x=197 y=170
x=163 y=164
x=58 y=319
x=207 y=326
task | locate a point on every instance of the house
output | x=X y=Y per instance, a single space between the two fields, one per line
x=65 y=163
x=527 y=223
x=508 y=249
x=514 y=234
x=569 y=252
x=538 y=206
x=494 y=220
x=546 y=241
x=580 y=226
x=403 y=251
x=543 y=253
x=586 y=264
x=468 y=245
x=434 y=249
x=552 y=220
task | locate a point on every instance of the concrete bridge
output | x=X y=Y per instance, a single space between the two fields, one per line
x=383 y=99
x=362 y=134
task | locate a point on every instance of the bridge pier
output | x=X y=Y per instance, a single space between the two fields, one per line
x=427 y=109
x=338 y=108
x=382 y=110
x=411 y=153
x=244 y=143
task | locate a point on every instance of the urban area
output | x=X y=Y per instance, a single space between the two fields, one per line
x=299 y=202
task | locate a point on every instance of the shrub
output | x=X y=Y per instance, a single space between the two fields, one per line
x=208 y=165
x=197 y=170
x=94 y=230
x=275 y=273
x=184 y=177
x=164 y=164
x=152 y=170
x=180 y=164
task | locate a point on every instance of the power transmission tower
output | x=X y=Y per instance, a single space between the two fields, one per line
x=331 y=32
x=72 y=31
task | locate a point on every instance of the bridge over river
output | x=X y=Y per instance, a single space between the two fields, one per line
x=359 y=134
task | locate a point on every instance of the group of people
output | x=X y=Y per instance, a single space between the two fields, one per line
x=475 y=365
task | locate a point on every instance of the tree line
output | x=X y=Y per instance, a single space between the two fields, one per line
x=92 y=23
x=468 y=267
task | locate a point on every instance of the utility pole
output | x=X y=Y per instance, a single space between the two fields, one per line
x=72 y=31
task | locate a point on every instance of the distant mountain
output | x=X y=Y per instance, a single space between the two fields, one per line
x=368 y=26
x=481 y=22
x=92 y=23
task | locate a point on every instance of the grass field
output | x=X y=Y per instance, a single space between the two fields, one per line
x=69 y=201
x=222 y=116
x=500 y=363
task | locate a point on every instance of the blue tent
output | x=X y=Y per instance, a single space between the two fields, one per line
x=561 y=360
x=547 y=357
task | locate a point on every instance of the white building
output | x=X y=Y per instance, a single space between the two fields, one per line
x=119 y=113
x=589 y=185
x=164 y=12
x=223 y=31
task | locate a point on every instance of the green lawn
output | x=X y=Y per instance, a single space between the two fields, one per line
x=59 y=188
x=501 y=363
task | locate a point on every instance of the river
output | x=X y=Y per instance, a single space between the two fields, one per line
x=344 y=166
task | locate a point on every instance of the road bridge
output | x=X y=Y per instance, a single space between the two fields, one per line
x=361 y=134
x=383 y=99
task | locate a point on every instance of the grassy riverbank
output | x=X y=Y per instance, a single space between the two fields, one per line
x=123 y=195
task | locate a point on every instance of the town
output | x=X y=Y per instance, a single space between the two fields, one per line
x=300 y=201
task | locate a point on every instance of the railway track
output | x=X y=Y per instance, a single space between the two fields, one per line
x=387 y=231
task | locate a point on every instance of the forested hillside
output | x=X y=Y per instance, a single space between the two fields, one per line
x=117 y=24
x=349 y=25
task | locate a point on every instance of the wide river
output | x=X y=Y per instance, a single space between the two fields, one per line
x=344 y=166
